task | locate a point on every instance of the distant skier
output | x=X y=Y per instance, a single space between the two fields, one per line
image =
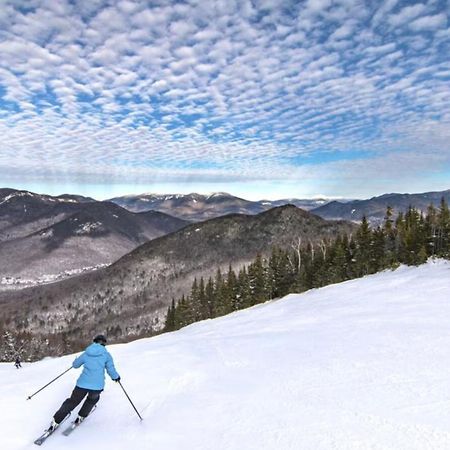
x=91 y=382
x=17 y=363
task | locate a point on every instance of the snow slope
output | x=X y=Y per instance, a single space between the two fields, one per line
x=359 y=365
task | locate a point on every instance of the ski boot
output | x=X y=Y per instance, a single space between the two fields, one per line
x=53 y=426
x=79 y=419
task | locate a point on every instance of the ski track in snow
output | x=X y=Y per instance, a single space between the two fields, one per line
x=359 y=365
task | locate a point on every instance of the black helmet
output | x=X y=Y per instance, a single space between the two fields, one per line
x=100 y=339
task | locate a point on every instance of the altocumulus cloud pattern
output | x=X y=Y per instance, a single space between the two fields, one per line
x=260 y=90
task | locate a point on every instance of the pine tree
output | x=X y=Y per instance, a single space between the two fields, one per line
x=256 y=275
x=183 y=313
x=220 y=295
x=412 y=236
x=431 y=225
x=390 y=255
x=10 y=346
x=244 y=293
x=203 y=301
x=443 y=220
x=363 y=242
x=170 y=318
x=209 y=298
x=379 y=257
x=338 y=264
x=388 y=221
x=194 y=301
x=232 y=289
x=400 y=226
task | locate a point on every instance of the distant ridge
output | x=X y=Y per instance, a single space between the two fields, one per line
x=198 y=207
x=375 y=208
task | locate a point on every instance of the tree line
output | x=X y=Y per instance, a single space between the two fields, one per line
x=411 y=238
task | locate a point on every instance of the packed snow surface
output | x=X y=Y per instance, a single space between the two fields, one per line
x=359 y=365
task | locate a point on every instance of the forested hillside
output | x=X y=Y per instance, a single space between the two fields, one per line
x=411 y=239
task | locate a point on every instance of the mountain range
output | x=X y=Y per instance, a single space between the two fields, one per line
x=130 y=297
x=44 y=237
x=198 y=207
x=374 y=209
x=150 y=257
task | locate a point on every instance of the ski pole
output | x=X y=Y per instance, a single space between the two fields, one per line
x=129 y=399
x=54 y=379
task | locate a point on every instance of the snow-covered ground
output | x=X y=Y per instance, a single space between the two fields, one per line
x=360 y=365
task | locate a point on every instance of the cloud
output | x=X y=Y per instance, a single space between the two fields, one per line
x=244 y=90
x=429 y=22
x=383 y=10
x=407 y=14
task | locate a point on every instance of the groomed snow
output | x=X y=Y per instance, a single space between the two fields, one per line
x=360 y=365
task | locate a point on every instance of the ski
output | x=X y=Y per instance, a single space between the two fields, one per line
x=41 y=439
x=75 y=425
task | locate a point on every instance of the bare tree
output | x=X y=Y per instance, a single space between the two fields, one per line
x=323 y=248
x=312 y=250
x=297 y=245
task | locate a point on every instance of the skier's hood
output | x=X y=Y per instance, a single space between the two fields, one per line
x=95 y=350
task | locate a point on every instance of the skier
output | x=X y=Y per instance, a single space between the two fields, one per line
x=17 y=363
x=91 y=382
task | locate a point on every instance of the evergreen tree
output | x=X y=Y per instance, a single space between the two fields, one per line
x=183 y=314
x=431 y=225
x=412 y=236
x=203 y=300
x=232 y=290
x=194 y=301
x=390 y=253
x=10 y=346
x=363 y=256
x=221 y=298
x=443 y=221
x=244 y=293
x=170 y=318
x=380 y=259
x=338 y=263
x=209 y=298
x=388 y=221
x=256 y=275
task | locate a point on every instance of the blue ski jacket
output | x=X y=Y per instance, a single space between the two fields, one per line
x=95 y=359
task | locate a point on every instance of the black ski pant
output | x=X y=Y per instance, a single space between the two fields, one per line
x=74 y=400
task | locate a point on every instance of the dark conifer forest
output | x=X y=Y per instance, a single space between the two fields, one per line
x=410 y=239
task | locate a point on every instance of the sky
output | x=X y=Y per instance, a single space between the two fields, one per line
x=262 y=98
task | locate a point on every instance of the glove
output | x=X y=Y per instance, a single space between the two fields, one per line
x=117 y=379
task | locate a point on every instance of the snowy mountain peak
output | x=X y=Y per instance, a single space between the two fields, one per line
x=16 y=194
x=218 y=194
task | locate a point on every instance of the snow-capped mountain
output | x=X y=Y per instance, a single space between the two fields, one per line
x=44 y=237
x=24 y=212
x=306 y=204
x=358 y=365
x=375 y=208
x=198 y=207
x=194 y=207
